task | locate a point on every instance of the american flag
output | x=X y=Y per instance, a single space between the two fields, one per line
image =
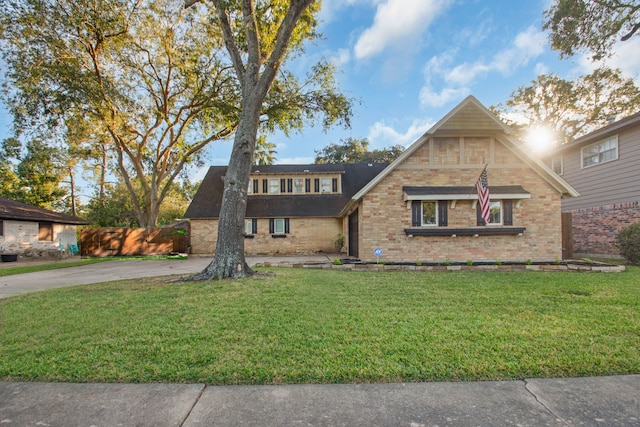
x=483 y=196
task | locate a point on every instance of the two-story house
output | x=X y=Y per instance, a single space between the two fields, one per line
x=604 y=167
x=421 y=207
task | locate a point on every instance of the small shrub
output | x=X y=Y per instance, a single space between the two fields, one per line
x=337 y=261
x=528 y=261
x=628 y=239
x=557 y=261
x=469 y=262
x=498 y=262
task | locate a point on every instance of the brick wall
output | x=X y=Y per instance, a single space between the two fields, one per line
x=595 y=229
x=21 y=236
x=384 y=214
x=306 y=236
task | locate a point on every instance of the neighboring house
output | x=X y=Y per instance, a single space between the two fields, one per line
x=604 y=167
x=421 y=207
x=33 y=231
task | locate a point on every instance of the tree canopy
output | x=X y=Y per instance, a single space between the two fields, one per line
x=572 y=108
x=591 y=25
x=354 y=150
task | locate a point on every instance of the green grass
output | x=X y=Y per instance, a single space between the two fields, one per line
x=21 y=269
x=319 y=326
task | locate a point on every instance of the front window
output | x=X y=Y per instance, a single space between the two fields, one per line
x=45 y=231
x=278 y=226
x=298 y=185
x=600 y=152
x=429 y=213
x=248 y=226
x=495 y=212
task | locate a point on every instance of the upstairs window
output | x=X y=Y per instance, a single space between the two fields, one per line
x=601 y=152
x=274 y=186
x=325 y=185
x=298 y=185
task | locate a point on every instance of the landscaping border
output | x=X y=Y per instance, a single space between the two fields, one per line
x=349 y=265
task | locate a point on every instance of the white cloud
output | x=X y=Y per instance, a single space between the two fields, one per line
x=397 y=24
x=430 y=98
x=295 y=161
x=625 y=58
x=382 y=135
x=527 y=45
x=340 y=57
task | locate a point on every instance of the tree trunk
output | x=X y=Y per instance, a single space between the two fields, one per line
x=229 y=260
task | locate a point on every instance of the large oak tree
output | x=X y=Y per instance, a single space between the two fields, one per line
x=259 y=37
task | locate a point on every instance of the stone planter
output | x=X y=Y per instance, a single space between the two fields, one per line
x=9 y=257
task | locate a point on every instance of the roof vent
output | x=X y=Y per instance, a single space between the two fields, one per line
x=370 y=164
x=306 y=170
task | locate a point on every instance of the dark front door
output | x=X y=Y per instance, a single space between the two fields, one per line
x=353 y=234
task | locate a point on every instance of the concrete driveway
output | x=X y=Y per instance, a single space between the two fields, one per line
x=121 y=270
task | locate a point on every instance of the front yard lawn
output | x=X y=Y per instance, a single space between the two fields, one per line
x=319 y=326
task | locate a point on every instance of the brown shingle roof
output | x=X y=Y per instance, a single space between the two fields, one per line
x=206 y=203
x=10 y=209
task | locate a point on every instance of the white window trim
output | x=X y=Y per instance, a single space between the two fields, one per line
x=501 y=212
x=248 y=226
x=582 y=150
x=559 y=159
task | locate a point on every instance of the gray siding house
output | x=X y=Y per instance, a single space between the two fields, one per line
x=604 y=167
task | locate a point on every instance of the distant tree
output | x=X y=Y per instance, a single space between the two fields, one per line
x=265 y=151
x=32 y=174
x=572 y=108
x=138 y=81
x=591 y=25
x=355 y=150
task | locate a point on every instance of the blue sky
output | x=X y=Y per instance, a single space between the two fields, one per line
x=408 y=62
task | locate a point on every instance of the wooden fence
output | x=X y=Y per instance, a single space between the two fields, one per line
x=105 y=242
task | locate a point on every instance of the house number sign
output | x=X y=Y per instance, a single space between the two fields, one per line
x=378 y=253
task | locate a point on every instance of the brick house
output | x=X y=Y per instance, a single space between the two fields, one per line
x=421 y=207
x=604 y=167
x=32 y=231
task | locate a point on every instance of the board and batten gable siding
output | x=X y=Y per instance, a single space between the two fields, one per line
x=384 y=214
x=609 y=183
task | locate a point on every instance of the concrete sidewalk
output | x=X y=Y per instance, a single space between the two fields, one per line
x=599 y=401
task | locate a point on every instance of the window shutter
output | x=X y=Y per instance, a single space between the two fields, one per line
x=272 y=227
x=443 y=212
x=307 y=185
x=283 y=185
x=334 y=185
x=507 y=212
x=265 y=186
x=286 y=225
x=290 y=185
x=254 y=226
x=416 y=212
x=316 y=185
x=255 y=186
